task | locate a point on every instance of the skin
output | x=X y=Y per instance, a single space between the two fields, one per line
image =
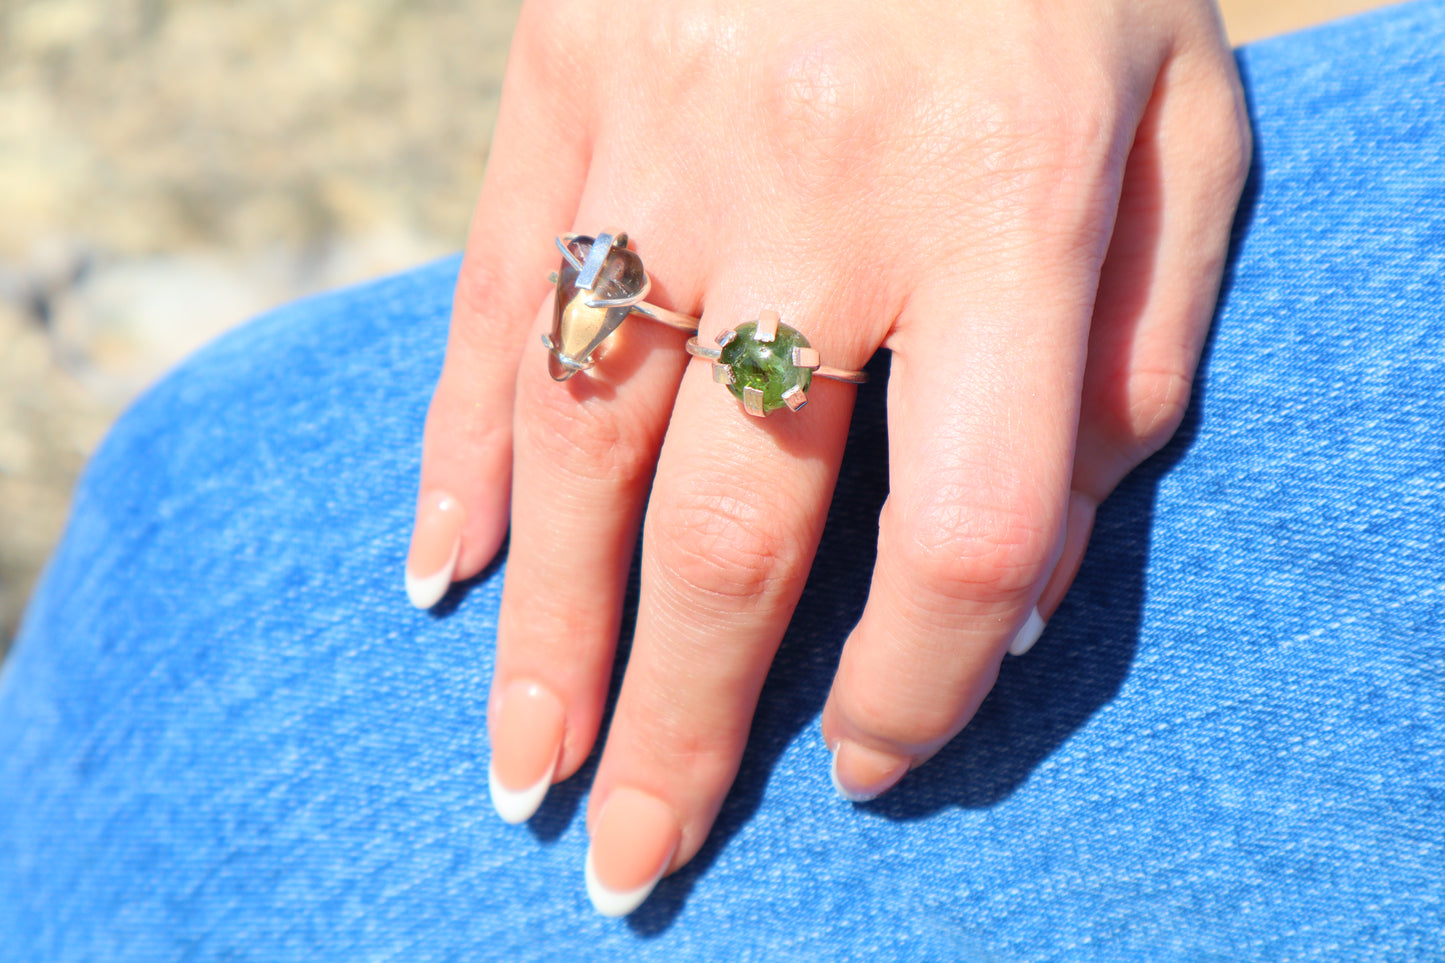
x=1027 y=203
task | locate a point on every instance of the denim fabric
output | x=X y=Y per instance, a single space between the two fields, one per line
x=225 y=735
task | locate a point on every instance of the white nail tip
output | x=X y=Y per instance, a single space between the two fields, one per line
x=426 y=591
x=608 y=901
x=517 y=805
x=844 y=791
x=1028 y=635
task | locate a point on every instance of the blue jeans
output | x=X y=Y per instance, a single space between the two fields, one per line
x=226 y=735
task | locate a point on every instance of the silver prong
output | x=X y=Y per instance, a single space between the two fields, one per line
x=626 y=302
x=806 y=358
x=753 y=401
x=562 y=245
x=767 y=325
x=795 y=398
x=721 y=373
x=725 y=337
x=630 y=301
x=596 y=258
x=547 y=340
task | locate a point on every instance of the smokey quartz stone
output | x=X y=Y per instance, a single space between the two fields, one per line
x=766 y=366
x=579 y=330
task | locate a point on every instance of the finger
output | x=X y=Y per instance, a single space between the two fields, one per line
x=731 y=530
x=983 y=397
x=1157 y=290
x=534 y=179
x=585 y=450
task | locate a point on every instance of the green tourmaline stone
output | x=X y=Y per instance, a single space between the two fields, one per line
x=765 y=365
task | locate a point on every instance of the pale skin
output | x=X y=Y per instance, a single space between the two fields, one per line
x=1027 y=203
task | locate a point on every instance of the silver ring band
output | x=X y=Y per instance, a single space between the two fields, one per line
x=682 y=322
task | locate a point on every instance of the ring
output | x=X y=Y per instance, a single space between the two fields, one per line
x=767 y=365
x=599 y=284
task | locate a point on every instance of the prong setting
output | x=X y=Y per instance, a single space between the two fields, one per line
x=767 y=326
x=600 y=283
x=767 y=365
x=758 y=366
x=564 y=245
x=596 y=258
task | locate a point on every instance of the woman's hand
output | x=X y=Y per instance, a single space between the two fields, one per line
x=1027 y=203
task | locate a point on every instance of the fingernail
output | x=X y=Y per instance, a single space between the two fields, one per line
x=526 y=744
x=1028 y=635
x=637 y=835
x=861 y=774
x=435 y=543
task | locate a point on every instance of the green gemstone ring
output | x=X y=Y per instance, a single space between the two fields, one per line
x=767 y=365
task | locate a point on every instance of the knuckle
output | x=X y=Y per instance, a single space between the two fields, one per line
x=1132 y=411
x=912 y=724
x=1221 y=121
x=968 y=548
x=481 y=306
x=828 y=101
x=454 y=422
x=590 y=439
x=543 y=17
x=544 y=52
x=479 y=288
x=1043 y=133
x=1056 y=131
x=1158 y=398
x=1237 y=150
x=731 y=547
x=561 y=54
x=692 y=38
x=1035 y=166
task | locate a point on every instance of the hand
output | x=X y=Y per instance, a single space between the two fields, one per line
x=1028 y=204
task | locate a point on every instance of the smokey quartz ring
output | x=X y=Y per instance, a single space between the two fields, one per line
x=600 y=283
x=767 y=365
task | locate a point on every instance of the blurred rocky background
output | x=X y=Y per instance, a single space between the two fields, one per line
x=170 y=167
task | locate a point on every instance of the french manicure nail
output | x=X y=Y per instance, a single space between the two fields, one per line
x=637 y=835
x=435 y=544
x=861 y=774
x=1028 y=635
x=526 y=744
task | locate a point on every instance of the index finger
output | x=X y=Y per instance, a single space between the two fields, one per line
x=533 y=184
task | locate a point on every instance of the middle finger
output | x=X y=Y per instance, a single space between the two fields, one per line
x=735 y=516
